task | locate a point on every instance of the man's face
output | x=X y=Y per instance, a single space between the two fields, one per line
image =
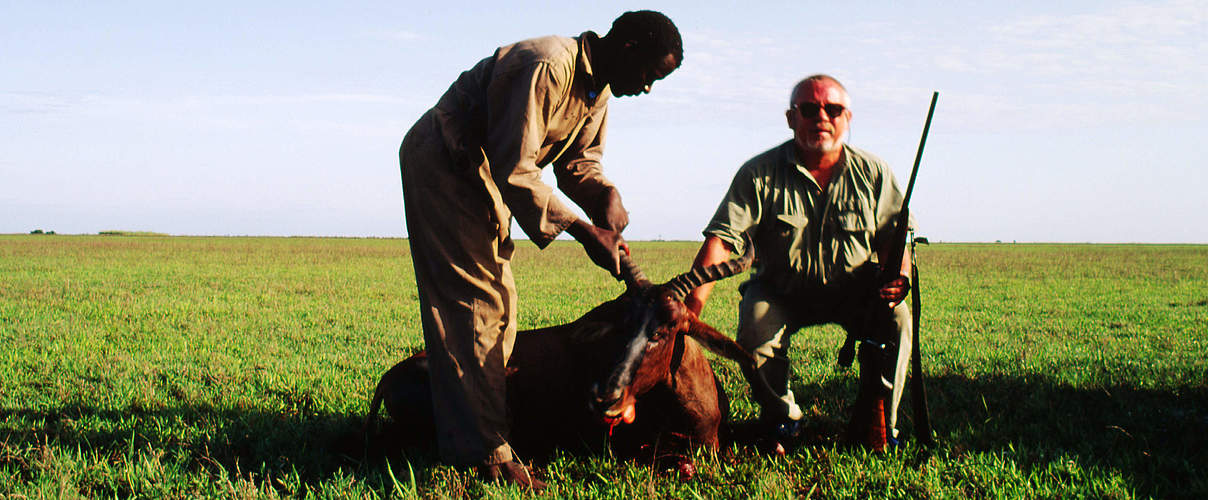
x=637 y=78
x=814 y=126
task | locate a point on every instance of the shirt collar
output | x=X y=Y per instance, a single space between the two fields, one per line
x=791 y=159
x=583 y=66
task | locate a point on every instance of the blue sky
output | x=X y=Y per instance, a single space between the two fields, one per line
x=1057 y=121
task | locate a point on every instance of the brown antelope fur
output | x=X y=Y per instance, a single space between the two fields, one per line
x=569 y=386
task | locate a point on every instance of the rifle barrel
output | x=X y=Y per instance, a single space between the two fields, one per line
x=918 y=157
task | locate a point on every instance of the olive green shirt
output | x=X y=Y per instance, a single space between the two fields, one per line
x=529 y=105
x=805 y=238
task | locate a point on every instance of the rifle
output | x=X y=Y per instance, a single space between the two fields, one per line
x=877 y=348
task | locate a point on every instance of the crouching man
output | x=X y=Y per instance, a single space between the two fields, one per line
x=819 y=212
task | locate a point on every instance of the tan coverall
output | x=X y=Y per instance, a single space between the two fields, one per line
x=811 y=247
x=469 y=165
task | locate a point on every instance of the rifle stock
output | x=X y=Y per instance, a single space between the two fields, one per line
x=867 y=425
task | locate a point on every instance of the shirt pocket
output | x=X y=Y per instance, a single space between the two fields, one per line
x=852 y=242
x=790 y=239
x=852 y=216
x=851 y=221
x=790 y=224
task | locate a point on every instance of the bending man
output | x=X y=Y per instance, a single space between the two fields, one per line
x=471 y=164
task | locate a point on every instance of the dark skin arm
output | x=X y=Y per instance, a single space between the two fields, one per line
x=602 y=240
x=609 y=212
x=603 y=246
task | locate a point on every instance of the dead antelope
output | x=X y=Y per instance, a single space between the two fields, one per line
x=634 y=360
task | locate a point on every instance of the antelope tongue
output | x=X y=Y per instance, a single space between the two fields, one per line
x=627 y=415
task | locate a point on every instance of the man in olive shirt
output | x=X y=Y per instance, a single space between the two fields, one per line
x=471 y=164
x=818 y=211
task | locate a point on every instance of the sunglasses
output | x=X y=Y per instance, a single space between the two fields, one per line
x=810 y=109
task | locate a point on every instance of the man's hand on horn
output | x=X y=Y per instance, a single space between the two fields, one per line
x=603 y=246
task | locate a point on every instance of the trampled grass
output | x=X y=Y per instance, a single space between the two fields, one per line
x=242 y=367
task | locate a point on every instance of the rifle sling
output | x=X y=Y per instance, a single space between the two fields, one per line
x=918 y=387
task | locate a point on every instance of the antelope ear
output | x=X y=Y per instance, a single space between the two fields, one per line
x=718 y=343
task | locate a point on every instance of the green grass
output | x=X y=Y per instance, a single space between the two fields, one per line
x=241 y=367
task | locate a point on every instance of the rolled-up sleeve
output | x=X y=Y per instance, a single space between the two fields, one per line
x=518 y=106
x=738 y=212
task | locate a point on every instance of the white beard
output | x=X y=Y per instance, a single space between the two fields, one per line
x=825 y=145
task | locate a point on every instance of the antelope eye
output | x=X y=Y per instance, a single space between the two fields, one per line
x=669 y=308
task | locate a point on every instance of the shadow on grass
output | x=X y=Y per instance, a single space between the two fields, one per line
x=279 y=449
x=1155 y=439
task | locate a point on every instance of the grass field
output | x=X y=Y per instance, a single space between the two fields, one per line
x=157 y=366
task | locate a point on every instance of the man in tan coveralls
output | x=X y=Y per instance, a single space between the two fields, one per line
x=819 y=211
x=471 y=164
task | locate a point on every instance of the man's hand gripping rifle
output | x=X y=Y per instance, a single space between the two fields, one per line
x=878 y=340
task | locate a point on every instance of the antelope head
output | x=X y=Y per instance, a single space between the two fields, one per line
x=653 y=330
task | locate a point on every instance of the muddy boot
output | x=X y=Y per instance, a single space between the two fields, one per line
x=512 y=473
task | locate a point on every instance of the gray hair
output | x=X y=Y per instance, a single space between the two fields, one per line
x=820 y=77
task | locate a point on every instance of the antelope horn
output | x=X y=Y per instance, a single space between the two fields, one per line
x=684 y=283
x=634 y=278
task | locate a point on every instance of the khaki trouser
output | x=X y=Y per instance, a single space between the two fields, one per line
x=767 y=320
x=467 y=296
